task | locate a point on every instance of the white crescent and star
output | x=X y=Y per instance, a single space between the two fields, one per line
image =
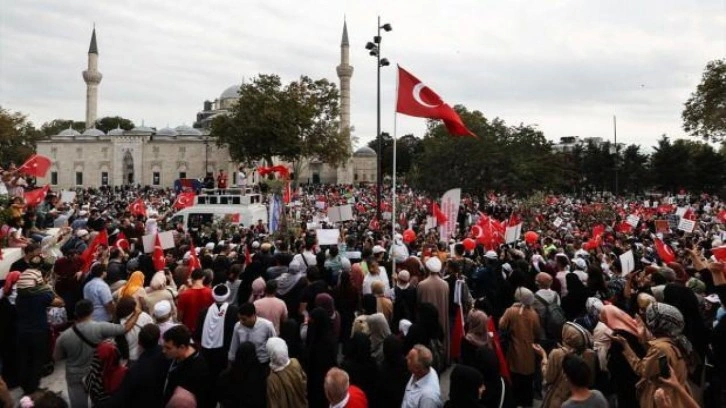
x=417 y=95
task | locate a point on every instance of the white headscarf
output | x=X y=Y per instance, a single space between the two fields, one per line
x=277 y=349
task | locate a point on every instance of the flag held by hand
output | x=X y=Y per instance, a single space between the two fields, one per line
x=37 y=166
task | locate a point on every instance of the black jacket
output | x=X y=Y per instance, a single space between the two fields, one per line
x=143 y=384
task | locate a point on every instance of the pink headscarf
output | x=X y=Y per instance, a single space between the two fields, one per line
x=616 y=319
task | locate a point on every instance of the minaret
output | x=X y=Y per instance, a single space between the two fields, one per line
x=345 y=72
x=92 y=78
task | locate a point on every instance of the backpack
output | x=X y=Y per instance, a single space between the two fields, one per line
x=553 y=319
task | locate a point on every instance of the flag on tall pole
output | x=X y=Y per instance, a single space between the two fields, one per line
x=415 y=98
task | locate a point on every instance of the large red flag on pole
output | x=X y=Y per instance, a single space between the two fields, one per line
x=416 y=99
x=37 y=166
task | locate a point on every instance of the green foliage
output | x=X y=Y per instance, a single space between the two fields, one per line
x=704 y=115
x=17 y=137
x=294 y=121
x=108 y=123
x=407 y=149
x=56 y=126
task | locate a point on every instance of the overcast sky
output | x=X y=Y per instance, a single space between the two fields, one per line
x=566 y=66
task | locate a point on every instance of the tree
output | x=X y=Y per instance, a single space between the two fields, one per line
x=704 y=115
x=670 y=165
x=407 y=147
x=56 y=126
x=17 y=137
x=108 y=123
x=296 y=121
x=634 y=173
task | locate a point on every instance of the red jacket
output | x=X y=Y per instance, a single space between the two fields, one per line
x=357 y=398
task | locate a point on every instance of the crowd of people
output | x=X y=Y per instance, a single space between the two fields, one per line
x=238 y=317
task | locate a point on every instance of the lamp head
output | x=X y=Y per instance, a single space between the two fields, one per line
x=370 y=46
x=387 y=27
x=384 y=62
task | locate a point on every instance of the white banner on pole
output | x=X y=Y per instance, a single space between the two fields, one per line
x=450 y=207
x=166 y=238
x=627 y=263
x=512 y=234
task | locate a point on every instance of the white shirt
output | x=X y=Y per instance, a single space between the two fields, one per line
x=370 y=278
x=132 y=336
x=241 y=179
x=424 y=393
x=298 y=264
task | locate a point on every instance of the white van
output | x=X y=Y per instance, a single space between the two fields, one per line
x=209 y=208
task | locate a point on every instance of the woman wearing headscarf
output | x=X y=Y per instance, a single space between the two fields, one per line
x=392 y=375
x=666 y=324
x=290 y=286
x=522 y=323
x=360 y=366
x=321 y=353
x=243 y=384
x=575 y=340
x=477 y=336
x=161 y=288
x=467 y=386
x=134 y=287
x=287 y=382
x=621 y=375
x=258 y=290
x=686 y=301
x=347 y=302
x=379 y=330
x=8 y=329
x=106 y=373
x=326 y=302
x=591 y=316
x=573 y=304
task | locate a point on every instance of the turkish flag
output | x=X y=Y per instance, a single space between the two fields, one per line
x=138 y=207
x=122 y=242
x=184 y=200
x=35 y=197
x=194 y=262
x=374 y=225
x=598 y=230
x=665 y=253
x=37 y=166
x=416 y=99
x=719 y=253
x=158 y=255
x=440 y=216
x=722 y=216
x=89 y=255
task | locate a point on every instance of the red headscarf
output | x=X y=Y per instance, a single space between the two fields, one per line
x=113 y=372
x=10 y=280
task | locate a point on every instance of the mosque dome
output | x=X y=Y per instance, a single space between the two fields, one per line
x=167 y=131
x=116 y=132
x=69 y=132
x=230 y=93
x=142 y=129
x=365 y=151
x=93 y=132
x=185 y=130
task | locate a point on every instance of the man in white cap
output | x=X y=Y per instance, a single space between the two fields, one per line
x=163 y=318
x=214 y=331
x=435 y=290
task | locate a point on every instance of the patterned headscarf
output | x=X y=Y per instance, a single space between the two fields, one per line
x=664 y=320
x=478 y=333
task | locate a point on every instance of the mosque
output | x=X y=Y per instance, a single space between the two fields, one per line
x=158 y=157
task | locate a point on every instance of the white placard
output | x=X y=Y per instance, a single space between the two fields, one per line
x=67 y=196
x=646 y=204
x=340 y=213
x=680 y=211
x=557 y=222
x=430 y=223
x=686 y=225
x=513 y=233
x=386 y=216
x=166 y=238
x=627 y=263
x=328 y=236
x=312 y=225
x=633 y=220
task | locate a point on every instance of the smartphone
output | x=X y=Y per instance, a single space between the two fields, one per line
x=665 y=371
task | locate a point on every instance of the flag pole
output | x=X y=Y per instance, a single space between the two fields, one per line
x=393 y=183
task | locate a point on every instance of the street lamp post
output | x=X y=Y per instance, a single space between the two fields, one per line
x=206 y=156
x=374 y=49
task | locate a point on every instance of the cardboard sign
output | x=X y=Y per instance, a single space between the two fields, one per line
x=340 y=213
x=686 y=225
x=328 y=236
x=430 y=223
x=681 y=211
x=557 y=222
x=166 y=238
x=646 y=204
x=662 y=226
x=513 y=233
x=312 y=225
x=67 y=196
x=673 y=221
x=627 y=263
x=633 y=220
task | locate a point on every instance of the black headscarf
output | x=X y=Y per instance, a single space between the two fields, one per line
x=465 y=384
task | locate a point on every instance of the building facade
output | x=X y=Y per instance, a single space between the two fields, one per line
x=147 y=156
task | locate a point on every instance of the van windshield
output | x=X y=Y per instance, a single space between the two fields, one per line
x=197 y=221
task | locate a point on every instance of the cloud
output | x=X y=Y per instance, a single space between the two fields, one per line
x=567 y=66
